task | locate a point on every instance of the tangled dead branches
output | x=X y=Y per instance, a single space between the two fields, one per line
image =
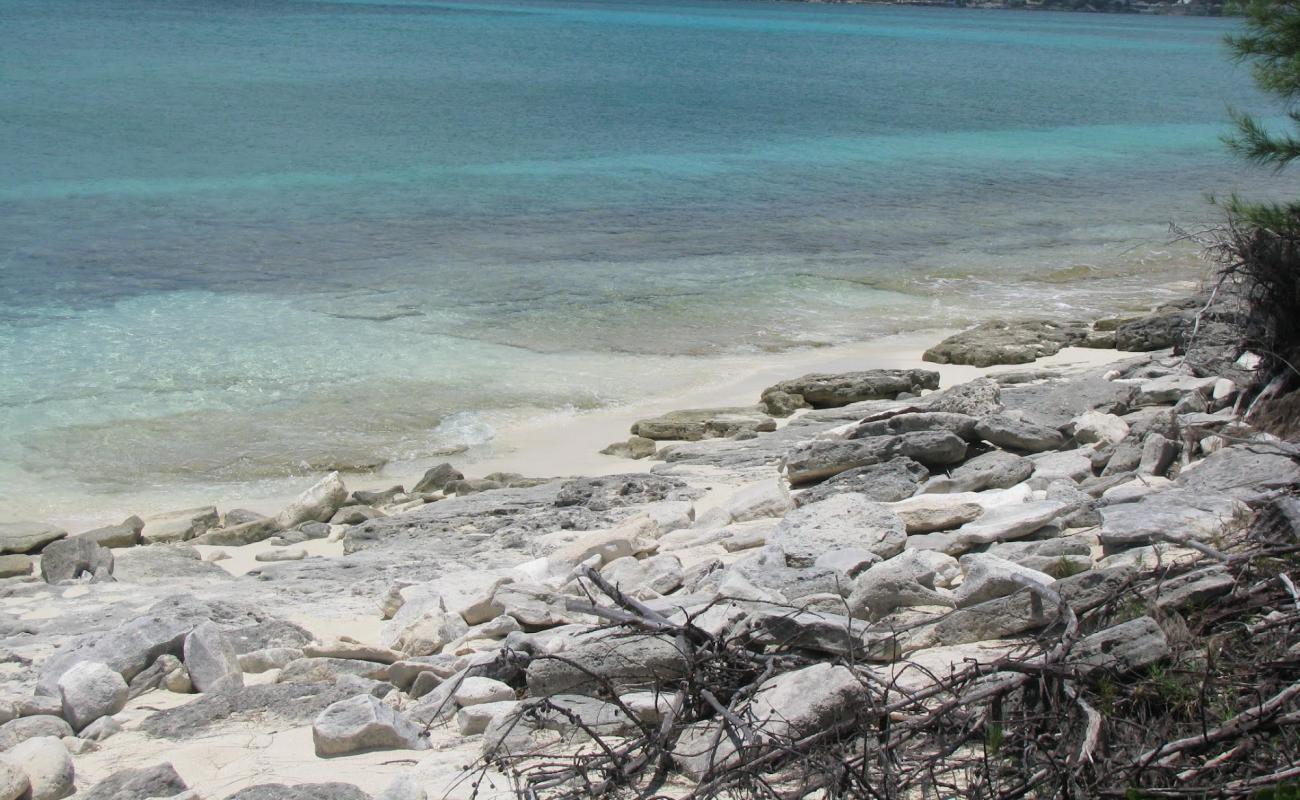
x=1162 y=691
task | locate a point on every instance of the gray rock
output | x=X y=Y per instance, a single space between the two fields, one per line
x=211 y=660
x=905 y=580
x=475 y=690
x=1154 y=331
x=703 y=423
x=125 y=535
x=830 y=391
x=27 y=537
x=48 y=766
x=101 y=729
x=476 y=719
x=839 y=522
x=1015 y=434
x=267 y=634
x=636 y=447
x=1158 y=454
x=259 y=661
x=36 y=706
x=1057 y=403
x=627 y=663
x=563 y=717
x=1073 y=466
x=355 y=515
x=823 y=458
x=1192 y=589
x=276 y=556
x=14 y=784
x=977 y=398
x=995 y=525
x=1085 y=514
x=128 y=649
x=179 y=526
x=1001 y=342
x=436 y=479
x=1019 y=612
x=1095 y=427
x=962 y=425
x=929 y=513
x=239 y=535
x=819 y=631
x=67 y=559
x=1124 y=459
x=379 y=498
x=303 y=791
x=660 y=574
x=318 y=503
x=1202 y=516
x=533 y=605
x=989 y=577
x=932 y=448
x=328 y=670
x=616 y=491
x=996 y=469
x=91 y=690
x=20 y=730
x=761 y=500
x=1170 y=389
x=1121 y=649
x=893 y=480
x=782 y=404
x=160 y=780
x=240 y=516
x=786 y=707
x=362 y=724
x=16 y=566
x=1241 y=470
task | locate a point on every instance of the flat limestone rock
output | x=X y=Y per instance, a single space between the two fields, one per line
x=839 y=522
x=995 y=525
x=1241 y=471
x=1197 y=515
x=996 y=469
x=893 y=480
x=160 y=780
x=179 y=526
x=15 y=566
x=27 y=537
x=1001 y=342
x=832 y=390
x=362 y=723
x=703 y=423
x=1057 y=403
x=629 y=663
x=819 y=459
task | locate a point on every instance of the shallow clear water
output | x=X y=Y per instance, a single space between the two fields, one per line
x=246 y=240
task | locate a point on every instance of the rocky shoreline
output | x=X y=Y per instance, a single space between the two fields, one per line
x=430 y=642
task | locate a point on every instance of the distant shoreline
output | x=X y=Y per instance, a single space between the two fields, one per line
x=1138 y=7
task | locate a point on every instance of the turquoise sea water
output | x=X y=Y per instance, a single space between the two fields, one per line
x=247 y=239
